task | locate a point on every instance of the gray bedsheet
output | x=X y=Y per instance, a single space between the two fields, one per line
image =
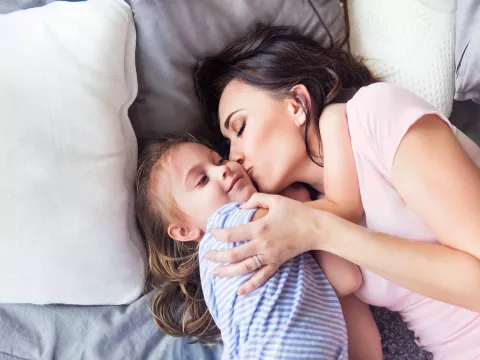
x=90 y=333
x=63 y=332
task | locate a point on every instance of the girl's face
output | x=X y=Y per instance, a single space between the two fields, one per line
x=266 y=134
x=201 y=182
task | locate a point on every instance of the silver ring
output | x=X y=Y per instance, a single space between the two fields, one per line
x=257 y=261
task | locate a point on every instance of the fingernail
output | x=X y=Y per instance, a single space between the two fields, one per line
x=215 y=272
x=241 y=292
x=207 y=256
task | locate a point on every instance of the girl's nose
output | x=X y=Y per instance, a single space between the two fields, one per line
x=225 y=171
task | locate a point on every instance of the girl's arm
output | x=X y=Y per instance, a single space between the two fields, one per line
x=438 y=181
x=344 y=276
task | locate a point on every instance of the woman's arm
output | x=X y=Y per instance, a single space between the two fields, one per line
x=433 y=270
x=437 y=180
x=441 y=184
x=342 y=192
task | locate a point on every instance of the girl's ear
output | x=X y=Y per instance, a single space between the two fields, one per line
x=298 y=104
x=182 y=232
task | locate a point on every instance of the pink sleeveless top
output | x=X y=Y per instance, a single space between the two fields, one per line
x=379 y=115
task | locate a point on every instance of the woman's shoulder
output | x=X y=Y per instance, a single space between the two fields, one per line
x=385 y=98
x=379 y=93
x=372 y=98
x=379 y=115
x=332 y=111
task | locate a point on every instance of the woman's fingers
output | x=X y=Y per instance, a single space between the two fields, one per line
x=259 y=200
x=233 y=255
x=234 y=234
x=241 y=268
x=258 y=279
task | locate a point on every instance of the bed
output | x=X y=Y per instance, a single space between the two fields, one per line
x=128 y=331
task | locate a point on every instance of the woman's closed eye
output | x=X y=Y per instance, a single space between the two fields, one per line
x=242 y=128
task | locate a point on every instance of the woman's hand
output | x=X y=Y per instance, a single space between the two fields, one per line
x=289 y=229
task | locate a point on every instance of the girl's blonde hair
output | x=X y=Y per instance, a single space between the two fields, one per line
x=178 y=305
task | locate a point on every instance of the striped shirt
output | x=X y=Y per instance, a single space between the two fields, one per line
x=294 y=315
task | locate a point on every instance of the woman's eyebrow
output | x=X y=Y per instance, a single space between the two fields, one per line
x=227 y=120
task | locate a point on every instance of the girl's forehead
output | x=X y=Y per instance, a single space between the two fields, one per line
x=187 y=155
x=160 y=179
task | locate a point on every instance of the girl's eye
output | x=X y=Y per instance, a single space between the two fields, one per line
x=222 y=161
x=203 y=180
x=240 y=131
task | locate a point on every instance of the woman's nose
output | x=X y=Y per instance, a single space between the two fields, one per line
x=236 y=156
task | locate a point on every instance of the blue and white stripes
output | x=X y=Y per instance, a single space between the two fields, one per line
x=294 y=315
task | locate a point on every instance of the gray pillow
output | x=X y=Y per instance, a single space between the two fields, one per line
x=467 y=51
x=174 y=35
x=7 y=6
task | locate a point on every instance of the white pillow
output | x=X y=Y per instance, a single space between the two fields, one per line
x=68 y=155
x=408 y=42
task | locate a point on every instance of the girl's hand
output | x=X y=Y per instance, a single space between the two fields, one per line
x=289 y=229
x=297 y=192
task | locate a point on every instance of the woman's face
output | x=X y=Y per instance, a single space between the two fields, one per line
x=266 y=134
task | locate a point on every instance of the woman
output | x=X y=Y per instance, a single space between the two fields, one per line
x=416 y=174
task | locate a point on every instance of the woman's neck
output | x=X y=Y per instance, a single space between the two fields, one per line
x=311 y=174
x=309 y=171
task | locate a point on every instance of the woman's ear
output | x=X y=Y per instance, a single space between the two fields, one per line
x=182 y=232
x=299 y=104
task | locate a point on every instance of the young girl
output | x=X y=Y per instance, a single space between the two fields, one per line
x=184 y=189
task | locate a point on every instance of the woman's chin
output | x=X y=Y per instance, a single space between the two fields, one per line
x=267 y=189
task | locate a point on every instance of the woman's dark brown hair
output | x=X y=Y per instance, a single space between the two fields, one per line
x=178 y=304
x=276 y=58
